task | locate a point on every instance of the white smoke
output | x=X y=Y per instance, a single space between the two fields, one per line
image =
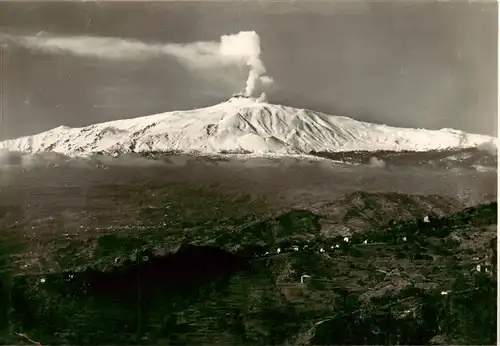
x=241 y=49
x=245 y=47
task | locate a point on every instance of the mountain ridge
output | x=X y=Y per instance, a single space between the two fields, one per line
x=241 y=125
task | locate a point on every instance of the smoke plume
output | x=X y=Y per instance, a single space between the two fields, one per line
x=241 y=49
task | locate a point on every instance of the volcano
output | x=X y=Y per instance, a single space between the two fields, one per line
x=241 y=125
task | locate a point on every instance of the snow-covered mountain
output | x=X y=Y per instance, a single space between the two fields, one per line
x=241 y=125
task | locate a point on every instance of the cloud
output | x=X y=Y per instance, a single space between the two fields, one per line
x=376 y=162
x=241 y=50
x=490 y=147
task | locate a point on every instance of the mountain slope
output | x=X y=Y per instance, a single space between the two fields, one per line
x=360 y=211
x=410 y=282
x=240 y=125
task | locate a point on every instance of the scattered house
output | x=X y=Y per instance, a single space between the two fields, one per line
x=303 y=277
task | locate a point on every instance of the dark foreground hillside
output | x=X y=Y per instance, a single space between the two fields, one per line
x=247 y=279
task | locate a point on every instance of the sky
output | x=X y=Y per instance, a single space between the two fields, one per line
x=413 y=64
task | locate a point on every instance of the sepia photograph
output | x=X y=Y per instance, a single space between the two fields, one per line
x=248 y=172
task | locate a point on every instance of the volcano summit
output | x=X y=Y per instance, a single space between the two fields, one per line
x=241 y=125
